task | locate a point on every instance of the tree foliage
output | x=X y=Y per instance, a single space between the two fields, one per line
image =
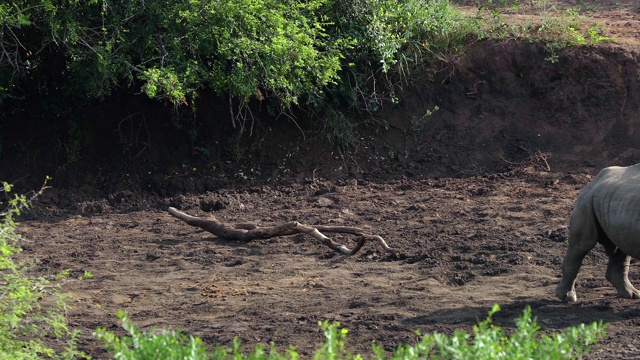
x=170 y=50
x=247 y=49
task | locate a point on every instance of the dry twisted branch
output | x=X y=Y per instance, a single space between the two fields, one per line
x=248 y=232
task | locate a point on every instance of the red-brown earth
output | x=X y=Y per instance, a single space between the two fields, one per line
x=474 y=200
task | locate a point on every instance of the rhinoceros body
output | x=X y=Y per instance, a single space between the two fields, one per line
x=607 y=211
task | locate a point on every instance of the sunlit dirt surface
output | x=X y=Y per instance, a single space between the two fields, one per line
x=459 y=246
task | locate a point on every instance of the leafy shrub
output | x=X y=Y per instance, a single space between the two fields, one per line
x=392 y=40
x=487 y=342
x=31 y=309
x=171 y=49
x=151 y=345
x=247 y=49
x=173 y=345
x=490 y=342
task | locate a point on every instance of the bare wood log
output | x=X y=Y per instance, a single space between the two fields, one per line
x=249 y=232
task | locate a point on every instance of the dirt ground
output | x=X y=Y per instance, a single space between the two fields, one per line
x=467 y=230
x=459 y=246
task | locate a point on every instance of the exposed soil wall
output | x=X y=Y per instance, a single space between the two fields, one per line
x=503 y=102
x=500 y=103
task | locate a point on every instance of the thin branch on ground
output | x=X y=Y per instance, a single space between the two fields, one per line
x=543 y=158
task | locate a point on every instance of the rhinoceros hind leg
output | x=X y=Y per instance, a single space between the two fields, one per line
x=566 y=290
x=571 y=264
x=618 y=275
x=583 y=237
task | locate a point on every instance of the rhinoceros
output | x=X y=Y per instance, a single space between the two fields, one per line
x=607 y=211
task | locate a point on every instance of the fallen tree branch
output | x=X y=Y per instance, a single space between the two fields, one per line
x=249 y=232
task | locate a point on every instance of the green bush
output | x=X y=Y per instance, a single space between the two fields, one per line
x=392 y=44
x=247 y=49
x=244 y=48
x=392 y=41
x=31 y=309
x=151 y=345
x=487 y=341
x=490 y=342
x=173 y=345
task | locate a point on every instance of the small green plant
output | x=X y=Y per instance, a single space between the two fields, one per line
x=419 y=124
x=595 y=36
x=151 y=345
x=542 y=22
x=201 y=150
x=552 y=48
x=174 y=345
x=234 y=148
x=71 y=145
x=338 y=130
x=487 y=341
x=31 y=309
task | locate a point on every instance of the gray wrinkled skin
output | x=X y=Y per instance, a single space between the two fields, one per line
x=607 y=211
